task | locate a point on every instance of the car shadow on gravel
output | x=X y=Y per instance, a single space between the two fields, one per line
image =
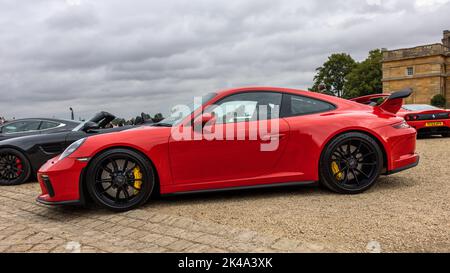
x=242 y=194
x=432 y=137
x=302 y=191
x=208 y=197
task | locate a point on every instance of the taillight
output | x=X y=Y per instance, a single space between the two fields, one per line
x=401 y=125
x=412 y=117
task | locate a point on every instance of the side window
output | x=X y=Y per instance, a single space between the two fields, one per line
x=48 y=125
x=299 y=105
x=248 y=106
x=21 y=126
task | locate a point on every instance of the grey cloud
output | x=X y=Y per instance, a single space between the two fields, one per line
x=72 y=18
x=133 y=56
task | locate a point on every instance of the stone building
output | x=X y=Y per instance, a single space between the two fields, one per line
x=425 y=68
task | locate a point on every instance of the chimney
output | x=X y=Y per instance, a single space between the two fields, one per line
x=446 y=39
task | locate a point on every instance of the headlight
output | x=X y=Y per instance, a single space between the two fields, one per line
x=72 y=148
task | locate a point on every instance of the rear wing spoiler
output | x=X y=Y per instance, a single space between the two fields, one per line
x=370 y=99
x=392 y=102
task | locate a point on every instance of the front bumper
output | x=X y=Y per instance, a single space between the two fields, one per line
x=60 y=182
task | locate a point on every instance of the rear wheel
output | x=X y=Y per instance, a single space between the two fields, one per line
x=120 y=179
x=14 y=167
x=351 y=163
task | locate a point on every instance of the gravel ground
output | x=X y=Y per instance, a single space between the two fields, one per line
x=406 y=212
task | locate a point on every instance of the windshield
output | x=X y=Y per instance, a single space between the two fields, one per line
x=78 y=128
x=419 y=107
x=102 y=119
x=181 y=111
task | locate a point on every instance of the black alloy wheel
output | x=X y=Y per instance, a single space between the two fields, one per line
x=120 y=179
x=14 y=167
x=351 y=163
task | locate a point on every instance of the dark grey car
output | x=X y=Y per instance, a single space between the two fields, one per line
x=35 y=126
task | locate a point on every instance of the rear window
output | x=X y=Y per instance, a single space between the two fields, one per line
x=299 y=105
x=48 y=125
x=419 y=107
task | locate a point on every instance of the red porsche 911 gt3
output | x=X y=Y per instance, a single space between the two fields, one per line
x=234 y=139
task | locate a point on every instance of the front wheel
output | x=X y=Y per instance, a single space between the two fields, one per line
x=15 y=168
x=120 y=179
x=351 y=163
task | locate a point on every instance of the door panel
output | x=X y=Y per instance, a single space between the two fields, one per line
x=309 y=122
x=222 y=160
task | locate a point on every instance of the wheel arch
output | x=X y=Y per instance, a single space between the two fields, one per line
x=371 y=134
x=84 y=195
x=23 y=152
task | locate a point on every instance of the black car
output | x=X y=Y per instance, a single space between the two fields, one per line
x=35 y=126
x=21 y=157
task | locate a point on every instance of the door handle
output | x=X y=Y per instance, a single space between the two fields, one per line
x=273 y=137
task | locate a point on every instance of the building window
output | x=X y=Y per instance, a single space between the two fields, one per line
x=410 y=71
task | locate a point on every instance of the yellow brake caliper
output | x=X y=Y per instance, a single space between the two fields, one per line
x=137 y=179
x=336 y=171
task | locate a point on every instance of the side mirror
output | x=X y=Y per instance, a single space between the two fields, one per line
x=203 y=119
x=89 y=125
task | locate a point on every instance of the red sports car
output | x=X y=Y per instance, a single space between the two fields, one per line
x=264 y=137
x=427 y=119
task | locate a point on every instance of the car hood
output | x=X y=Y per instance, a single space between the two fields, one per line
x=128 y=135
x=141 y=138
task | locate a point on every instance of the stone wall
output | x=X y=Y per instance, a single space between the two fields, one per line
x=428 y=79
x=423 y=66
x=431 y=65
x=415 y=52
x=424 y=88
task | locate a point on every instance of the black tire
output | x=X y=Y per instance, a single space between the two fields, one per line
x=446 y=134
x=359 y=162
x=107 y=181
x=15 y=169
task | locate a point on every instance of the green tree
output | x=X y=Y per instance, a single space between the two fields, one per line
x=365 y=78
x=145 y=116
x=438 y=101
x=118 y=122
x=158 y=117
x=330 y=77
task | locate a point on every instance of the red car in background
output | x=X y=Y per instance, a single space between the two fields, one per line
x=427 y=119
x=342 y=144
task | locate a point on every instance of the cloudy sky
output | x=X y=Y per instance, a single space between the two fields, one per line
x=132 y=56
